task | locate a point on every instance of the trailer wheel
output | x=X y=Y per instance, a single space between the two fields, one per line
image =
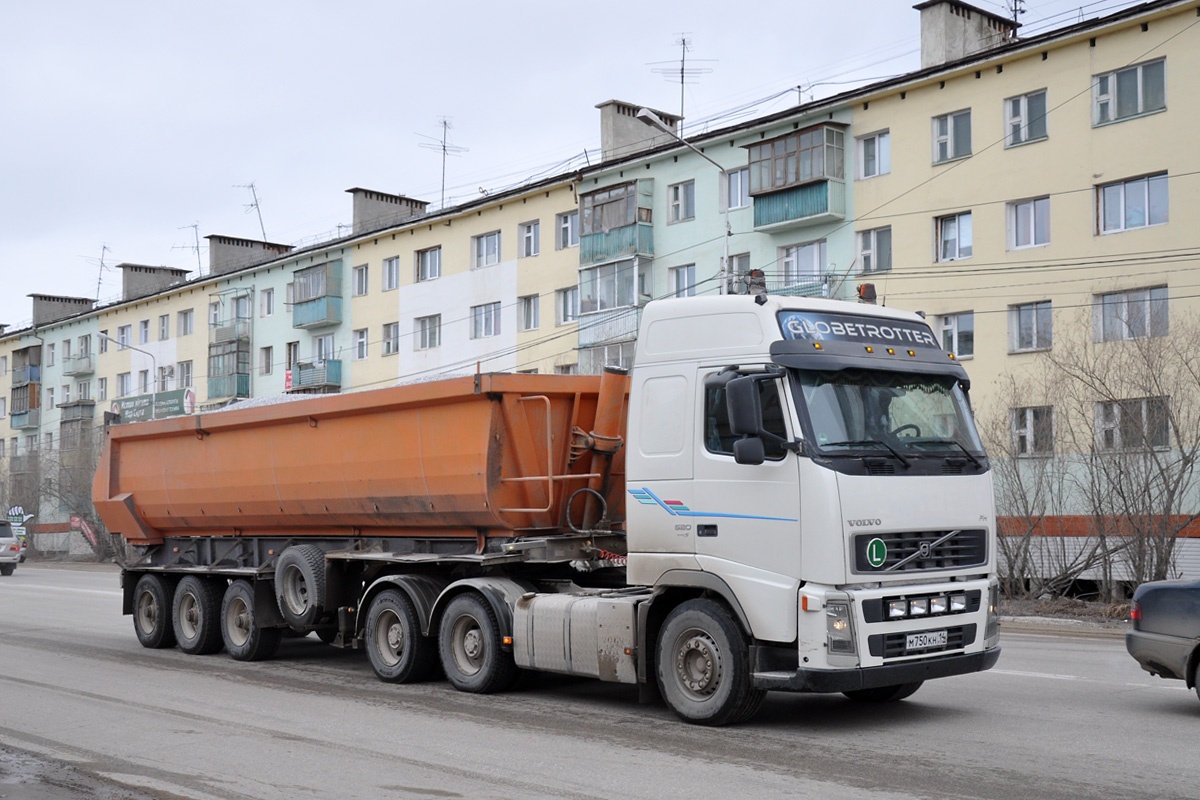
x=300 y=584
x=152 y=612
x=399 y=653
x=884 y=694
x=704 y=665
x=244 y=640
x=469 y=645
x=197 y=615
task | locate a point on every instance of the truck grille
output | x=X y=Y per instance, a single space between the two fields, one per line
x=894 y=645
x=916 y=551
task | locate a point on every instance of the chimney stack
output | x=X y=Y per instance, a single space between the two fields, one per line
x=374 y=210
x=951 y=30
x=229 y=253
x=623 y=134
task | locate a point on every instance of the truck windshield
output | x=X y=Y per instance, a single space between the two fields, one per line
x=897 y=413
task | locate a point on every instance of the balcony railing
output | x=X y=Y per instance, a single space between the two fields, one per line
x=628 y=240
x=236 y=385
x=317 y=312
x=319 y=375
x=26 y=419
x=30 y=374
x=810 y=204
x=81 y=364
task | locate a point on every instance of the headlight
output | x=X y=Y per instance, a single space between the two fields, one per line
x=919 y=608
x=897 y=609
x=958 y=602
x=992 y=631
x=838 y=628
x=937 y=605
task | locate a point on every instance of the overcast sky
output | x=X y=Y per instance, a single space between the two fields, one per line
x=125 y=123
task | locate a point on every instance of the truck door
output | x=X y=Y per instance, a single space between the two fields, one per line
x=746 y=516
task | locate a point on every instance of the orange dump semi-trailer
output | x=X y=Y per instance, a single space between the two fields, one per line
x=486 y=455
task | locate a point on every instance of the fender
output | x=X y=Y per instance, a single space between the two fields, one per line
x=706 y=580
x=501 y=594
x=421 y=590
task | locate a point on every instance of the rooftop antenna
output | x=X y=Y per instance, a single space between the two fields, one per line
x=446 y=149
x=254 y=206
x=683 y=72
x=195 y=226
x=100 y=277
x=1016 y=8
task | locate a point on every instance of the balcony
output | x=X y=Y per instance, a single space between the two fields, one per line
x=322 y=376
x=82 y=364
x=811 y=204
x=317 y=313
x=26 y=419
x=231 y=330
x=613 y=325
x=628 y=240
x=235 y=385
x=29 y=374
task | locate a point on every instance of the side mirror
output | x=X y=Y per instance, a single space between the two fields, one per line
x=745 y=406
x=749 y=451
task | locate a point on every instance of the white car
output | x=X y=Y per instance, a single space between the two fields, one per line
x=10 y=549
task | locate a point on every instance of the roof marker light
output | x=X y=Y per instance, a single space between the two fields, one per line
x=891 y=351
x=870 y=349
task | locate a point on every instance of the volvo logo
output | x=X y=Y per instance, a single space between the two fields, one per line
x=864 y=523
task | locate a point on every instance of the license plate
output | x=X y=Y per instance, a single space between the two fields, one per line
x=925 y=641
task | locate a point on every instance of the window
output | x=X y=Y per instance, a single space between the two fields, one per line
x=737 y=188
x=266 y=357
x=49 y=355
x=1133 y=314
x=50 y=397
x=144 y=381
x=530 y=233
x=682 y=201
x=163 y=381
x=485 y=320
x=214 y=315
x=527 y=309
x=1132 y=204
x=958 y=334
x=609 y=208
x=683 y=280
x=485 y=250
x=951 y=136
x=266 y=302
x=814 y=154
x=719 y=439
x=1030 y=327
x=104 y=341
x=803 y=262
x=3 y=413
x=391 y=338
x=84 y=389
x=85 y=346
x=322 y=348
x=144 y=332
x=310 y=283
x=568 y=230
x=391 y=273
x=566 y=305
x=875 y=250
x=428 y=332
x=1128 y=92
x=124 y=386
x=48 y=441
x=360 y=344
x=429 y=264
x=185 y=322
x=1137 y=424
x=360 y=277
x=102 y=389
x=1033 y=430
x=66 y=393
x=954 y=237
x=292 y=354
x=739 y=267
x=1025 y=118
x=66 y=350
x=164 y=327
x=3 y=365
x=1029 y=223
x=875 y=155
x=183 y=372
x=609 y=286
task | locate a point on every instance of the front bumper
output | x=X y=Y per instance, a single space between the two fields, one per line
x=1160 y=654
x=847 y=680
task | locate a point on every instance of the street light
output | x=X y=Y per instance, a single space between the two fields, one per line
x=650 y=118
x=153 y=366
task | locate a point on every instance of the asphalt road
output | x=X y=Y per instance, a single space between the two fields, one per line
x=85 y=712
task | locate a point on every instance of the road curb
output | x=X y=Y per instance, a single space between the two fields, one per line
x=1063 y=626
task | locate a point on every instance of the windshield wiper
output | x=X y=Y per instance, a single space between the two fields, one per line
x=978 y=464
x=884 y=445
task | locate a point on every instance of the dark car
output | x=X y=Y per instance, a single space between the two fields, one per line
x=1165 y=638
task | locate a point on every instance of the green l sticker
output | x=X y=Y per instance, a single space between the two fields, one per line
x=876 y=553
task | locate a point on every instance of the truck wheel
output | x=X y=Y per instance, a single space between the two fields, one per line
x=244 y=640
x=152 y=612
x=884 y=694
x=469 y=645
x=704 y=665
x=395 y=646
x=300 y=584
x=7 y=569
x=197 y=615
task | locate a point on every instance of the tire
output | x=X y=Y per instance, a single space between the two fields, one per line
x=469 y=646
x=399 y=653
x=243 y=639
x=152 y=609
x=300 y=584
x=197 y=615
x=7 y=569
x=327 y=635
x=703 y=665
x=884 y=694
